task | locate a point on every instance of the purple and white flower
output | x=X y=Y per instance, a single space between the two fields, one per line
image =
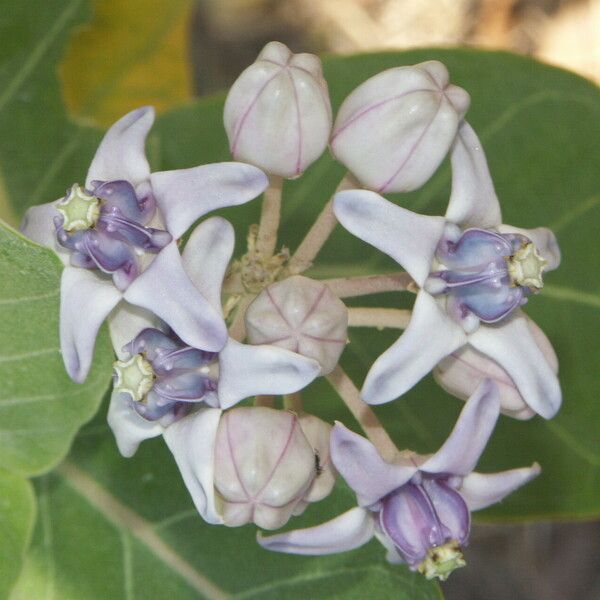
x=418 y=507
x=117 y=237
x=159 y=378
x=474 y=273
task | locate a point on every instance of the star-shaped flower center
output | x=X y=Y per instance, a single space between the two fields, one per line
x=134 y=377
x=442 y=560
x=525 y=267
x=79 y=209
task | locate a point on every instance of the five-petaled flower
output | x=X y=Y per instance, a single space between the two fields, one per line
x=117 y=237
x=418 y=507
x=160 y=379
x=474 y=273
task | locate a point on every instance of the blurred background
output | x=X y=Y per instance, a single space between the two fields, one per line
x=197 y=47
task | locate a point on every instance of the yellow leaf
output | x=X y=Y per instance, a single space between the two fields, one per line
x=133 y=53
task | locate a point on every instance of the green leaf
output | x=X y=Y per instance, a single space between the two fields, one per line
x=17 y=516
x=41 y=409
x=135 y=519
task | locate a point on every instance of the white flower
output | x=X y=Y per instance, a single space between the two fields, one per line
x=117 y=239
x=442 y=323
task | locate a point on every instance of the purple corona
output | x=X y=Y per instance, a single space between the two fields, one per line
x=163 y=375
x=106 y=228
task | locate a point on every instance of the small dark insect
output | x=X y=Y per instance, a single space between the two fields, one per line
x=318 y=467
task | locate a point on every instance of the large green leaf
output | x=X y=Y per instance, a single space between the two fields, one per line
x=41 y=409
x=17 y=515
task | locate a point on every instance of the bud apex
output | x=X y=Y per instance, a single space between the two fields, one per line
x=277 y=114
x=302 y=315
x=264 y=466
x=393 y=131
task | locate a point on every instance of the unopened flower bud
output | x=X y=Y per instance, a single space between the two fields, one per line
x=462 y=371
x=277 y=114
x=302 y=315
x=264 y=466
x=393 y=131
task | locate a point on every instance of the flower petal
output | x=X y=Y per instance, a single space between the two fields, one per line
x=350 y=530
x=512 y=345
x=85 y=301
x=185 y=195
x=165 y=289
x=409 y=238
x=461 y=451
x=363 y=468
x=120 y=154
x=481 y=490
x=430 y=336
x=246 y=370
x=38 y=225
x=473 y=201
x=543 y=239
x=206 y=256
x=192 y=442
x=125 y=322
x=128 y=427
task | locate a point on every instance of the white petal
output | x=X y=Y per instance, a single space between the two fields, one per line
x=430 y=336
x=363 y=468
x=38 y=225
x=481 y=490
x=461 y=451
x=410 y=239
x=206 y=256
x=543 y=239
x=185 y=195
x=246 y=370
x=125 y=322
x=473 y=202
x=120 y=154
x=85 y=301
x=165 y=289
x=512 y=345
x=192 y=442
x=128 y=427
x=350 y=530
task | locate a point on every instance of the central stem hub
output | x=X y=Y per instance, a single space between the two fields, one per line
x=525 y=267
x=442 y=560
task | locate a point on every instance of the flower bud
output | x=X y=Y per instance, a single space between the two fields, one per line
x=393 y=130
x=264 y=466
x=302 y=315
x=462 y=371
x=277 y=114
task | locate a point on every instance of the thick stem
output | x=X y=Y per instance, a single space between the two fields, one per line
x=380 y=318
x=348 y=287
x=363 y=413
x=293 y=402
x=268 y=401
x=237 y=329
x=269 y=217
x=319 y=233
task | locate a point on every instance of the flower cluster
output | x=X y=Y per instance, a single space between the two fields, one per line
x=196 y=333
